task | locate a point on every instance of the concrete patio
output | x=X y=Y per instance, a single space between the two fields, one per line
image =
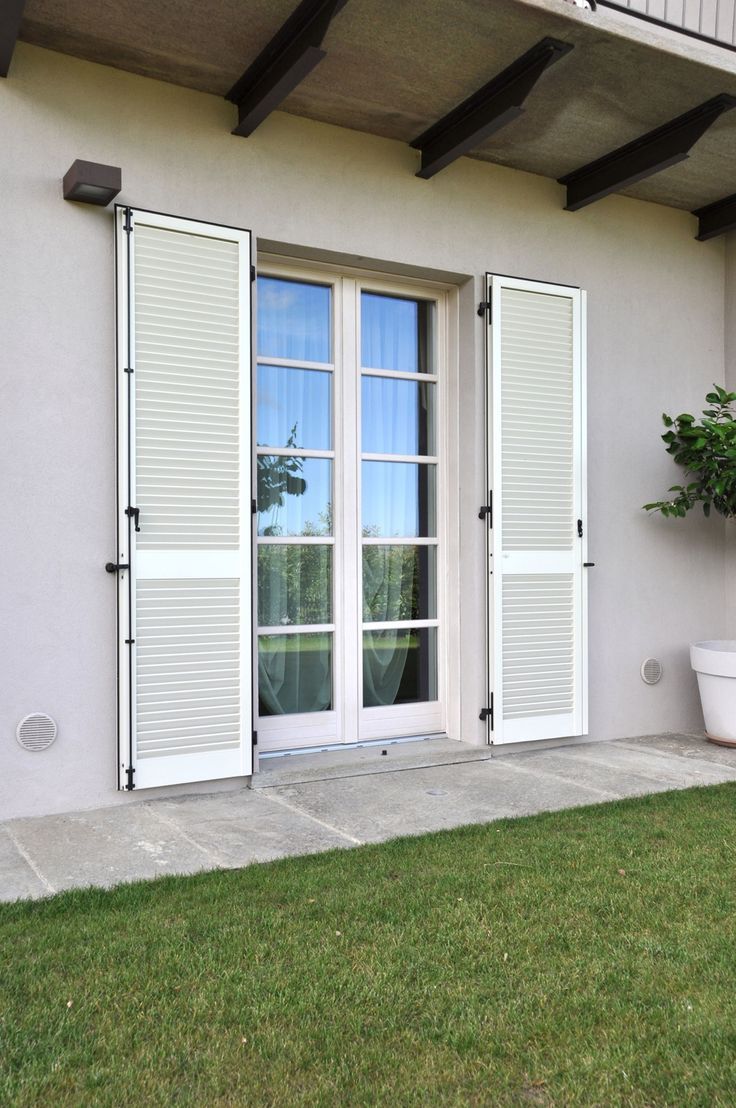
x=310 y=803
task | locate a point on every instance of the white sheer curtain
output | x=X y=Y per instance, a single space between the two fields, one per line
x=294 y=674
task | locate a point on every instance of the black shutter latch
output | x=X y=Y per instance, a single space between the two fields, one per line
x=487 y=713
x=134 y=514
x=115 y=567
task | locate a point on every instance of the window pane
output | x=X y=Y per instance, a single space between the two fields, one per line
x=294 y=674
x=397 y=416
x=294 y=584
x=294 y=408
x=294 y=495
x=399 y=583
x=398 y=500
x=293 y=320
x=399 y=667
x=395 y=333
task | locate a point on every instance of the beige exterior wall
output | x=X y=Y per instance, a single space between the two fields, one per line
x=656 y=341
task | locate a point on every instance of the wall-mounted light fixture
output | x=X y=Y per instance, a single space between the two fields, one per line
x=92 y=183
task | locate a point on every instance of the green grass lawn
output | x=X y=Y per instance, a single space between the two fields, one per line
x=578 y=958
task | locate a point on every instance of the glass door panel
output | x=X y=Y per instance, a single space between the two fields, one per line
x=399 y=493
x=399 y=583
x=295 y=495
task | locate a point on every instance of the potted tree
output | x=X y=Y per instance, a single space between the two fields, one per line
x=706 y=450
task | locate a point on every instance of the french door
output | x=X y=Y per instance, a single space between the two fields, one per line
x=349 y=508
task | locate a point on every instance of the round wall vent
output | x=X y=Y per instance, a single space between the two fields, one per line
x=36 y=731
x=651 y=671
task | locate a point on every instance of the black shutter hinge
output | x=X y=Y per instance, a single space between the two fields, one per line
x=255 y=738
x=134 y=514
x=128 y=222
x=580 y=528
x=252 y=273
x=130 y=785
x=128 y=370
x=486 y=512
x=485 y=306
x=115 y=567
x=253 y=507
x=487 y=713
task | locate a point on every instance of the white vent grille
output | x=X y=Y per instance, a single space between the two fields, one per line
x=537 y=420
x=36 y=731
x=188 y=666
x=539 y=645
x=186 y=293
x=651 y=671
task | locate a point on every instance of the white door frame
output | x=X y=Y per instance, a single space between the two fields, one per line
x=349 y=723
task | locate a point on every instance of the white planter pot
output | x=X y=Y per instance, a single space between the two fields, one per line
x=715 y=664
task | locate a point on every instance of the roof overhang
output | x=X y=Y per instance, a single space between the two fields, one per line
x=406 y=70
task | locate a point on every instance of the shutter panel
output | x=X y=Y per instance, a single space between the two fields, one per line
x=537 y=470
x=184 y=446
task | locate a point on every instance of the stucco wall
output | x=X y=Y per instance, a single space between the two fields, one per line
x=656 y=341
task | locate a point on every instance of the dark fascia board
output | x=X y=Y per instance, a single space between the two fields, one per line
x=493 y=106
x=11 y=14
x=658 y=149
x=291 y=54
x=716 y=218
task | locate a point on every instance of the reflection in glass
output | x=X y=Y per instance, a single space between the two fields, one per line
x=395 y=333
x=293 y=320
x=294 y=674
x=294 y=408
x=399 y=583
x=398 y=500
x=294 y=495
x=399 y=667
x=397 y=416
x=294 y=584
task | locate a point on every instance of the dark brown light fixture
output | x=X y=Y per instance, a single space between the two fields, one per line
x=92 y=183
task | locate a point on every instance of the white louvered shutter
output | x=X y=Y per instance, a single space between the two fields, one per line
x=537 y=472
x=184 y=447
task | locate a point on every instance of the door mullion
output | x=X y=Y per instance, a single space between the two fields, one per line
x=350 y=532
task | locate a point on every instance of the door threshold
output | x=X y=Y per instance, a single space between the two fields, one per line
x=359 y=759
x=332 y=748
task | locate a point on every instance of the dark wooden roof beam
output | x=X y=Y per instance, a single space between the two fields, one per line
x=657 y=150
x=291 y=54
x=11 y=14
x=717 y=218
x=499 y=102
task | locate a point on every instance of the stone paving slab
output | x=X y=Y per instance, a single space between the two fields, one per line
x=239 y=828
x=613 y=783
x=17 y=879
x=374 y=809
x=686 y=746
x=663 y=770
x=106 y=846
x=154 y=837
